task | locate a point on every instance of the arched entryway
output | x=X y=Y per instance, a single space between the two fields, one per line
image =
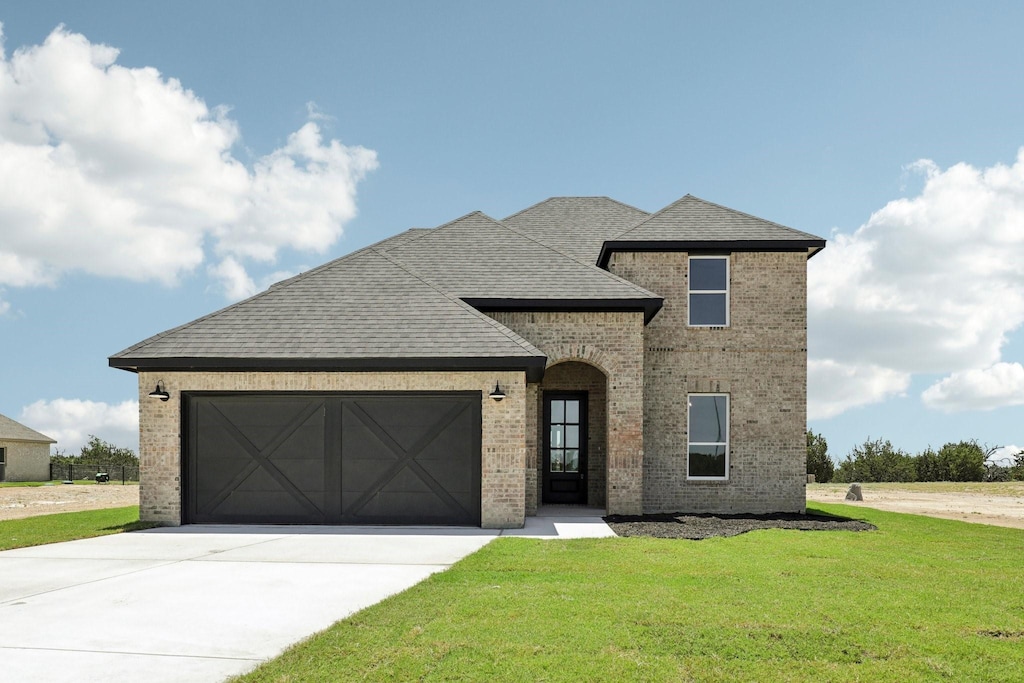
x=573 y=439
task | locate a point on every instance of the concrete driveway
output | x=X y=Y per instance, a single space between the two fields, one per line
x=202 y=603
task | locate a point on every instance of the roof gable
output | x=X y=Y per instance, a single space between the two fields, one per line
x=692 y=223
x=15 y=431
x=576 y=225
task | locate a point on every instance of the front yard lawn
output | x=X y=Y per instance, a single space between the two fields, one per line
x=918 y=599
x=68 y=526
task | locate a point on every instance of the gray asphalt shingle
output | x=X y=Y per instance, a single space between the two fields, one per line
x=404 y=298
x=365 y=305
x=576 y=225
x=476 y=257
x=697 y=220
x=15 y=431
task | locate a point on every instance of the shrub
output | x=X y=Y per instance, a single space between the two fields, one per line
x=876 y=461
x=963 y=461
x=818 y=462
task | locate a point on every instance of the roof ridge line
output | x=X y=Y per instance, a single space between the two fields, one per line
x=512 y=336
x=595 y=196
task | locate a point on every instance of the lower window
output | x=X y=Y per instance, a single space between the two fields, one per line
x=708 y=440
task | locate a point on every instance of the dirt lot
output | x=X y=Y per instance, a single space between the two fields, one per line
x=17 y=502
x=1000 y=504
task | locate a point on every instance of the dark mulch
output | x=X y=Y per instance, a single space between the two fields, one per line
x=697 y=527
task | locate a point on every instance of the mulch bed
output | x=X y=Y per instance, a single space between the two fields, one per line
x=697 y=527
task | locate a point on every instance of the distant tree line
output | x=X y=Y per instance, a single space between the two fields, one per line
x=877 y=460
x=98 y=452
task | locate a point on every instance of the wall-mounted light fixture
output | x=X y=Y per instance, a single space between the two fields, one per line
x=160 y=392
x=497 y=394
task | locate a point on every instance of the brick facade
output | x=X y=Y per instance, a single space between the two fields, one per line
x=613 y=344
x=637 y=379
x=503 y=443
x=760 y=360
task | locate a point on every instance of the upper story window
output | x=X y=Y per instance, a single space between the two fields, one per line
x=709 y=291
x=707 y=427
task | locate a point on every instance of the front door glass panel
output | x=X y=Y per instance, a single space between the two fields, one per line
x=565 y=435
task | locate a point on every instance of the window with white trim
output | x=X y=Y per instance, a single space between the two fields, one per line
x=707 y=427
x=709 y=291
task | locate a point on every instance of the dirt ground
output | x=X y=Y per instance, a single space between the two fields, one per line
x=996 y=504
x=17 y=502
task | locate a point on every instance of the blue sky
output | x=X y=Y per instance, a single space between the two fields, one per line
x=149 y=186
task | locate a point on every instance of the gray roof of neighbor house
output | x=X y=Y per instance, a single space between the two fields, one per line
x=362 y=311
x=576 y=225
x=693 y=223
x=15 y=431
x=494 y=267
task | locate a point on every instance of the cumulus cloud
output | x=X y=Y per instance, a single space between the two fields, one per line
x=123 y=172
x=70 y=421
x=929 y=284
x=833 y=388
x=1005 y=455
x=996 y=386
x=233 y=279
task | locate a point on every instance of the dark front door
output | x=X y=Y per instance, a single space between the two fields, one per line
x=565 y=448
x=398 y=458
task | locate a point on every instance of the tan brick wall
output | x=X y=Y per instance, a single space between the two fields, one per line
x=760 y=360
x=27 y=461
x=613 y=343
x=503 y=466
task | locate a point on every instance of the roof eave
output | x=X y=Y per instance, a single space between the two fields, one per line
x=533 y=366
x=648 y=305
x=611 y=246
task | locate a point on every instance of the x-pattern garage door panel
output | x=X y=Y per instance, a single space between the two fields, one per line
x=257 y=459
x=314 y=459
x=405 y=460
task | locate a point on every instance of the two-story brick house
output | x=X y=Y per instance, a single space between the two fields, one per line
x=580 y=351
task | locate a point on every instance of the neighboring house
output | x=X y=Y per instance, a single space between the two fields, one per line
x=24 y=452
x=580 y=351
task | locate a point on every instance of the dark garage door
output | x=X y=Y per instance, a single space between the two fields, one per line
x=396 y=458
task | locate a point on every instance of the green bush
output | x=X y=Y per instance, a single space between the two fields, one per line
x=876 y=461
x=818 y=462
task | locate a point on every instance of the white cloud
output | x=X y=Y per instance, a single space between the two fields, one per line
x=929 y=284
x=833 y=388
x=1005 y=455
x=233 y=279
x=122 y=172
x=996 y=386
x=70 y=421
x=235 y=282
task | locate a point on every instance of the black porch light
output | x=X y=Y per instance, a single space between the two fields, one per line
x=160 y=392
x=497 y=394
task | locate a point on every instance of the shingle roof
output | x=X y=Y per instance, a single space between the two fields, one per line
x=415 y=300
x=697 y=223
x=576 y=225
x=363 y=306
x=15 y=431
x=477 y=258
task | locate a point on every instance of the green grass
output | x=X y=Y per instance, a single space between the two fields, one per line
x=68 y=526
x=918 y=599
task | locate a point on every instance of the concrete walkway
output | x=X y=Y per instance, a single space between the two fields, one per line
x=203 y=603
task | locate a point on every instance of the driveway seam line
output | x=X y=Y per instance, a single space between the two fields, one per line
x=130 y=653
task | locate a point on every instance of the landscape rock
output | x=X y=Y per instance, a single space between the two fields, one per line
x=855 y=493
